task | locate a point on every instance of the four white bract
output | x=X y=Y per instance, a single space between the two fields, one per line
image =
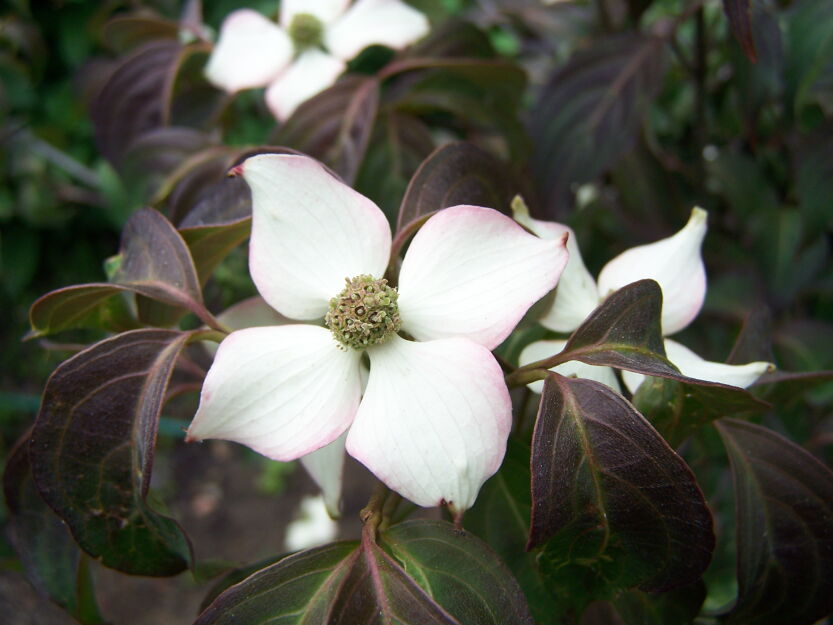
x=434 y=417
x=675 y=263
x=308 y=50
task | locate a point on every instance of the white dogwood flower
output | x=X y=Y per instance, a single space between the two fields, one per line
x=433 y=420
x=675 y=263
x=309 y=49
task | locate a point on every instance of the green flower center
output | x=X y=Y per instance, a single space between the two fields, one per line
x=306 y=31
x=365 y=313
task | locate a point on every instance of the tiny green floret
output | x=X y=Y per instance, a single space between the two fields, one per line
x=365 y=313
x=306 y=31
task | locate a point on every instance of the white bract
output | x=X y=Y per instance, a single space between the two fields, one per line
x=675 y=263
x=433 y=420
x=309 y=49
x=311 y=527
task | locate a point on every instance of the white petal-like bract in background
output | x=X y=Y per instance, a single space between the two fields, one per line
x=250 y=52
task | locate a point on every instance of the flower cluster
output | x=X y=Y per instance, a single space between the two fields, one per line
x=433 y=418
x=308 y=49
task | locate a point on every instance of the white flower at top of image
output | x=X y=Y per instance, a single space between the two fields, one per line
x=675 y=263
x=434 y=417
x=308 y=50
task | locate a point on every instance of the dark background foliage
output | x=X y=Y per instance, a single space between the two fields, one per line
x=613 y=116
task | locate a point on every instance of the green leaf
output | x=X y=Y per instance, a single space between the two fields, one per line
x=335 y=126
x=125 y=32
x=500 y=516
x=675 y=607
x=92 y=450
x=610 y=496
x=481 y=94
x=784 y=499
x=81 y=306
x=590 y=113
x=459 y=571
x=456 y=173
x=211 y=244
x=133 y=100
x=337 y=583
x=809 y=49
x=739 y=14
x=676 y=409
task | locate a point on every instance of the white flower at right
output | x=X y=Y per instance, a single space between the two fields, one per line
x=675 y=263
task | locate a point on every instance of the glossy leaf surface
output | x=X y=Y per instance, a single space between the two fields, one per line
x=337 y=583
x=459 y=571
x=624 y=332
x=784 y=499
x=92 y=450
x=609 y=493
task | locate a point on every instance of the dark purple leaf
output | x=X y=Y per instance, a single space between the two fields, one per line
x=784 y=499
x=49 y=555
x=590 y=113
x=151 y=158
x=609 y=493
x=453 y=38
x=739 y=13
x=335 y=126
x=155 y=263
x=457 y=173
x=92 y=450
x=624 y=332
x=124 y=32
x=134 y=99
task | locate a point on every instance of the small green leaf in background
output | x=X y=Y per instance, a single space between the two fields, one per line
x=92 y=450
x=610 y=496
x=784 y=499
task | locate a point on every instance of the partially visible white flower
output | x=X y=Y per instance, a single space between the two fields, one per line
x=309 y=49
x=434 y=417
x=674 y=262
x=312 y=526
